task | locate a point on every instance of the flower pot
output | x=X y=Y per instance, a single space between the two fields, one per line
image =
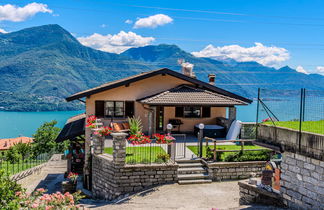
x=68 y=187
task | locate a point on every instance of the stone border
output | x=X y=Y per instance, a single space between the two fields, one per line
x=219 y=171
x=250 y=194
x=30 y=171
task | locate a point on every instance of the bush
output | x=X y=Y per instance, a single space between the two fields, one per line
x=248 y=156
x=8 y=189
x=163 y=158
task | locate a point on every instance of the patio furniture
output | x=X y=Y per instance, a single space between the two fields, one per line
x=120 y=127
x=212 y=131
x=176 y=123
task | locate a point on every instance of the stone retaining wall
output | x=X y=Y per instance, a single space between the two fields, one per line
x=250 y=194
x=302 y=181
x=234 y=170
x=111 y=181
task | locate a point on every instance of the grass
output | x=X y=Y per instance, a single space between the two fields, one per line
x=11 y=169
x=309 y=126
x=226 y=155
x=137 y=154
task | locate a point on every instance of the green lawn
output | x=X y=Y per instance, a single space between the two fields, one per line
x=11 y=169
x=310 y=126
x=136 y=154
x=225 y=155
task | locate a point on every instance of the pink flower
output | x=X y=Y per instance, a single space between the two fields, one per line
x=35 y=205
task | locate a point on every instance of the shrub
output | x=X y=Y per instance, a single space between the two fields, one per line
x=163 y=158
x=135 y=125
x=248 y=156
x=8 y=189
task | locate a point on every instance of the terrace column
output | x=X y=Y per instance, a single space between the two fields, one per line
x=231 y=115
x=97 y=144
x=119 y=148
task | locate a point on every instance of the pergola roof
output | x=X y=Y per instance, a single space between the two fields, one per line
x=74 y=127
x=189 y=95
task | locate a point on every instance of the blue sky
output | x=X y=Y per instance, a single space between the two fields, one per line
x=288 y=32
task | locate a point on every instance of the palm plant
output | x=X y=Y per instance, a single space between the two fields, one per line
x=135 y=125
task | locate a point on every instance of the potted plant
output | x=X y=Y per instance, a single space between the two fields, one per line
x=135 y=130
x=70 y=185
x=91 y=120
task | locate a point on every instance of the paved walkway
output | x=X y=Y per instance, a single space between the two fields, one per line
x=49 y=178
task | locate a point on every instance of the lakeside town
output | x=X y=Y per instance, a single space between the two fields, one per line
x=153 y=126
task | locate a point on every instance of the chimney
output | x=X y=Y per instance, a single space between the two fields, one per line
x=211 y=78
x=187 y=69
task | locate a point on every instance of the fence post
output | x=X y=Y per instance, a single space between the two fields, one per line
x=119 y=148
x=257 y=115
x=301 y=116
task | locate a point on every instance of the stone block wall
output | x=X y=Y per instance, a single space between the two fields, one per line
x=234 y=170
x=250 y=194
x=302 y=181
x=111 y=180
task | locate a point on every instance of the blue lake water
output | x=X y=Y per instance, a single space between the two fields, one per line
x=13 y=124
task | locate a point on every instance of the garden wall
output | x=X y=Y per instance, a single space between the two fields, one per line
x=219 y=171
x=111 y=180
x=302 y=181
x=312 y=144
x=250 y=194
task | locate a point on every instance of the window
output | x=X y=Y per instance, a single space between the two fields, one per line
x=114 y=108
x=192 y=111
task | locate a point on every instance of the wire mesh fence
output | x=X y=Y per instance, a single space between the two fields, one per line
x=12 y=165
x=301 y=110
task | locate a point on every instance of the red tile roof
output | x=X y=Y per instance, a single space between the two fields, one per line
x=7 y=143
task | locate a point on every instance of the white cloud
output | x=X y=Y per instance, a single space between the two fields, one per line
x=153 y=21
x=301 y=70
x=268 y=56
x=320 y=70
x=3 y=31
x=128 y=21
x=13 y=13
x=103 y=26
x=116 y=43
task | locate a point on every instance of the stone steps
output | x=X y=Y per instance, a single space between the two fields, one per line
x=195 y=181
x=192 y=172
x=193 y=176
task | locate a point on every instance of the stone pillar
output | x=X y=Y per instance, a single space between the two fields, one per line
x=231 y=115
x=97 y=144
x=119 y=148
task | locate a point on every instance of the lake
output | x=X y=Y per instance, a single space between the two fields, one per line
x=13 y=124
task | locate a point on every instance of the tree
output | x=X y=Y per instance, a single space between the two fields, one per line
x=23 y=149
x=12 y=155
x=44 y=138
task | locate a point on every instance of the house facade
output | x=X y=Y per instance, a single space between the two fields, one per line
x=158 y=97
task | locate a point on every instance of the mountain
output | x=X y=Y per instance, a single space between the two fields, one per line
x=40 y=66
x=243 y=78
x=47 y=63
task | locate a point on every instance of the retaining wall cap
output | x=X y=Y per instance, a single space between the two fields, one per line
x=223 y=164
x=119 y=134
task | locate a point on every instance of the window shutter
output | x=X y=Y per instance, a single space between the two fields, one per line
x=205 y=111
x=129 y=108
x=100 y=108
x=179 y=111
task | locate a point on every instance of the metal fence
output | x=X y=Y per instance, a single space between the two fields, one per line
x=149 y=153
x=14 y=165
x=301 y=110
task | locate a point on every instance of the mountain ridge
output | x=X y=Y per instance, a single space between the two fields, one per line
x=42 y=65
